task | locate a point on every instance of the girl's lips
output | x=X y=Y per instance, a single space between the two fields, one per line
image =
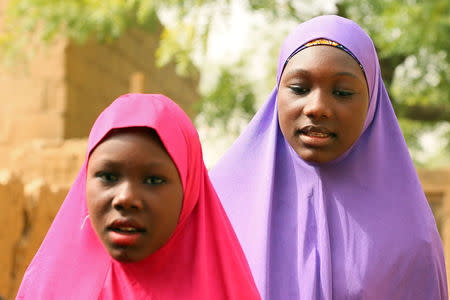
x=314 y=130
x=125 y=232
x=126 y=226
x=315 y=136
x=124 y=238
x=315 y=141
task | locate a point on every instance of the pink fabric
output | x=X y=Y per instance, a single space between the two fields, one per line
x=201 y=260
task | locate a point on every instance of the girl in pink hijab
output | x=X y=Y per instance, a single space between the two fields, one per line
x=142 y=220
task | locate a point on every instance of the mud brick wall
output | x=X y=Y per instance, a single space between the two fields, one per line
x=96 y=74
x=24 y=220
x=436 y=185
x=11 y=228
x=32 y=97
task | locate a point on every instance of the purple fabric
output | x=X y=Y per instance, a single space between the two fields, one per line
x=359 y=227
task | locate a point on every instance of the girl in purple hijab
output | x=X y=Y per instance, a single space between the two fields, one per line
x=320 y=187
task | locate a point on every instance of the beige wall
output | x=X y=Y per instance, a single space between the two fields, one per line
x=55 y=162
x=32 y=97
x=47 y=107
x=436 y=185
x=58 y=94
x=99 y=73
x=11 y=228
x=67 y=86
x=24 y=221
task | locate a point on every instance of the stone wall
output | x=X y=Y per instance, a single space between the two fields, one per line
x=436 y=185
x=28 y=210
x=96 y=74
x=11 y=228
x=55 y=162
x=58 y=95
x=32 y=97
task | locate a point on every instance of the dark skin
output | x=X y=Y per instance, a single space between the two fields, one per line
x=322 y=103
x=134 y=193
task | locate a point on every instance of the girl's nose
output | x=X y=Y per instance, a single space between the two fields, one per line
x=127 y=197
x=317 y=106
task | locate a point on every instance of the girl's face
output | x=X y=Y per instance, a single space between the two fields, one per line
x=322 y=103
x=134 y=194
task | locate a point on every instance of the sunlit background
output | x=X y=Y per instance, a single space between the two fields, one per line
x=62 y=62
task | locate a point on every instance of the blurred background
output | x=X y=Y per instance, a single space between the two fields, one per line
x=63 y=61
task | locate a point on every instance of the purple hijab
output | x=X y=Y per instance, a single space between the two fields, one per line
x=359 y=227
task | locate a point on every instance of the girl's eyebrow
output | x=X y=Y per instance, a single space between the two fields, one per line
x=300 y=71
x=352 y=75
x=303 y=72
x=346 y=74
x=111 y=163
x=107 y=163
x=297 y=71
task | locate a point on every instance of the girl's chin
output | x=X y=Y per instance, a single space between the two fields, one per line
x=313 y=156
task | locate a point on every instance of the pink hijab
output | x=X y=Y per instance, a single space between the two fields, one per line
x=201 y=260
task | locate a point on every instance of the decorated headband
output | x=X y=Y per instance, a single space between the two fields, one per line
x=319 y=42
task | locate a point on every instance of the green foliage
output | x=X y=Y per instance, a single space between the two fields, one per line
x=410 y=131
x=416 y=33
x=412 y=42
x=424 y=153
x=290 y=9
x=177 y=44
x=80 y=19
x=411 y=37
x=404 y=31
x=231 y=97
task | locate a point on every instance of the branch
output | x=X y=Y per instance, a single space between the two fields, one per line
x=425 y=113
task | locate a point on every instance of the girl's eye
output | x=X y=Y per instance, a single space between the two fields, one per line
x=107 y=177
x=299 y=90
x=154 y=180
x=342 y=93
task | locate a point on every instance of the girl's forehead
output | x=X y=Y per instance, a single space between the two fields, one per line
x=326 y=42
x=330 y=62
x=317 y=54
x=129 y=135
x=337 y=29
